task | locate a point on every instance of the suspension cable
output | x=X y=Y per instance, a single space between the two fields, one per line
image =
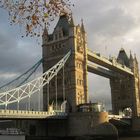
x=39 y=103
x=20 y=79
x=29 y=103
x=64 y=96
x=48 y=96
x=18 y=105
x=18 y=101
x=6 y=102
x=23 y=92
x=56 y=91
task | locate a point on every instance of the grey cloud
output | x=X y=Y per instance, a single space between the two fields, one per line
x=106 y=22
x=13 y=56
x=16 y=55
x=112 y=23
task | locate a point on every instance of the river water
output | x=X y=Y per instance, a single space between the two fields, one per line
x=130 y=138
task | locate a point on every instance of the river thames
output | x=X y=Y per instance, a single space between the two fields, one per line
x=129 y=138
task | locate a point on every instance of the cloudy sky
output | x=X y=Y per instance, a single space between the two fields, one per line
x=110 y=25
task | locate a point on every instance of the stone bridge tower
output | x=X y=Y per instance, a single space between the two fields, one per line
x=65 y=37
x=125 y=90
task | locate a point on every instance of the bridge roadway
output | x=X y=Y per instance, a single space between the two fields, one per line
x=111 y=64
x=40 y=115
x=22 y=114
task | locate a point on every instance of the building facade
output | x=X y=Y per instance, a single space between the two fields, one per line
x=125 y=90
x=73 y=88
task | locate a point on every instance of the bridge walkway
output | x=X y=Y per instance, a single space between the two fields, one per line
x=23 y=114
x=111 y=64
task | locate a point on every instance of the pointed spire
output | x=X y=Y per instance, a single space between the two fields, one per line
x=45 y=30
x=135 y=58
x=45 y=35
x=123 y=58
x=72 y=21
x=82 y=26
x=131 y=57
x=122 y=49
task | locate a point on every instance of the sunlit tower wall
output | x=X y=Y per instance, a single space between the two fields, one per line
x=125 y=88
x=65 y=37
x=135 y=86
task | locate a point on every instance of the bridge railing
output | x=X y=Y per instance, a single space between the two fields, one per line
x=29 y=114
x=118 y=117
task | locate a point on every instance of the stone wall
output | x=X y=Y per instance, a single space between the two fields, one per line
x=85 y=123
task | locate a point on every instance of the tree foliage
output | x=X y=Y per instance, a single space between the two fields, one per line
x=34 y=14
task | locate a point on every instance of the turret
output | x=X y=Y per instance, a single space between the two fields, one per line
x=72 y=21
x=72 y=27
x=136 y=67
x=135 y=59
x=45 y=35
x=131 y=60
x=123 y=58
x=62 y=26
x=134 y=64
x=82 y=26
x=84 y=34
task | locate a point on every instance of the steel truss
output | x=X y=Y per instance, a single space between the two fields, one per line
x=25 y=91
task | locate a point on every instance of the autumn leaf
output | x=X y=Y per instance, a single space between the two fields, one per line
x=46 y=15
x=33 y=15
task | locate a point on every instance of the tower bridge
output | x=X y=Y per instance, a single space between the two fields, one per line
x=71 y=77
x=66 y=63
x=122 y=71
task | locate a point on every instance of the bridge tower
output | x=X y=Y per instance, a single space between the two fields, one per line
x=125 y=90
x=65 y=37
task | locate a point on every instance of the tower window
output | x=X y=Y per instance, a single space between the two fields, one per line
x=53 y=48
x=59 y=45
x=63 y=46
x=60 y=35
x=56 y=47
x=56 y=37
